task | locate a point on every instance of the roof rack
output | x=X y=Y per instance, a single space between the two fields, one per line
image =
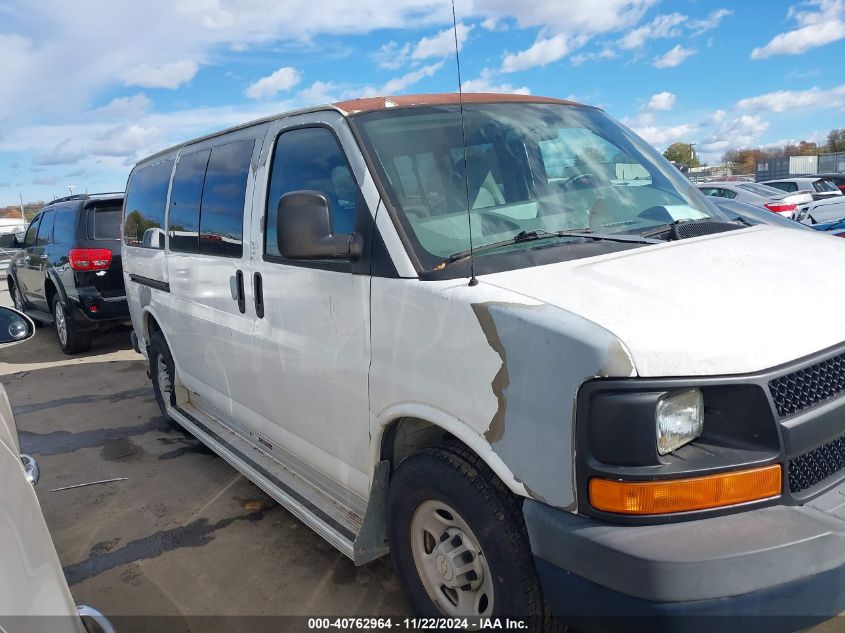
x=85 y=196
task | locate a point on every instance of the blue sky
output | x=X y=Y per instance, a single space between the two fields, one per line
x=90 y=87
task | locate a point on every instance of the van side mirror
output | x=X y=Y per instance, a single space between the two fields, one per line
x=14 y=326
x=304 y=229
x=19 y=238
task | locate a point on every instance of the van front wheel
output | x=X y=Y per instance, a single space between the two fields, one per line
x=458 y=540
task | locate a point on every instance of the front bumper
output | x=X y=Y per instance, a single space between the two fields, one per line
x=783 y=565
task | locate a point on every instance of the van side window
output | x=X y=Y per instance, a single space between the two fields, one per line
x=311 y=159
x=183 y=225
x=63 y=226
x=45 y=229
x=223 y=195
x=31 y=231
x=145 y=206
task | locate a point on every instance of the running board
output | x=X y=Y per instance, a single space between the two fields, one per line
x=38 y=315
x=333 y=521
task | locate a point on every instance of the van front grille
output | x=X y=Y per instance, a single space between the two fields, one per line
x=816 y=465
x=809 y=386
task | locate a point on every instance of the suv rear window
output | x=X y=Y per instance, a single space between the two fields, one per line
x=104 y=222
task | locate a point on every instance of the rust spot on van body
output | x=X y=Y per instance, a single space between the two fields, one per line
x=496 y=430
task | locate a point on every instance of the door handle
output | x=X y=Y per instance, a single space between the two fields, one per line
x=258 y=291
x=44 y=257
x=241 y=298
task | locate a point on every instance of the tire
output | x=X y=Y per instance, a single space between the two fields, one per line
x=70 y=338
x=161 y=360
x=452 y=480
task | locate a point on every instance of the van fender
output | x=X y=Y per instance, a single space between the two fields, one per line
x=146 y=313
x=451 y=424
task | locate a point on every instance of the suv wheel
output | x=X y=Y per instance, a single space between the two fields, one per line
x=71 y=340
x=20 y=304
x=458 y=540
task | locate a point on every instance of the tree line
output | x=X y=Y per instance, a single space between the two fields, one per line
x=744 y=160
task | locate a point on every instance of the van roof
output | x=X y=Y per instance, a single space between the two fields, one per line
x=352 y=107
x=368 y=104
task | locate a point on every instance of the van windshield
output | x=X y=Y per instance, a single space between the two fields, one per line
x=529 y=167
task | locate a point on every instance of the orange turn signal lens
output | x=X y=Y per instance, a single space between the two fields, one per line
x=683 y=495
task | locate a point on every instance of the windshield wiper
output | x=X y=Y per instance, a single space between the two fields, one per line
x=531 y=236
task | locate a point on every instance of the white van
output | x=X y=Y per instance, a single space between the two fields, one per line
x=509 y=343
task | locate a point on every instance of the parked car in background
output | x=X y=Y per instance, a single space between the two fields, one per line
x=836 y=178
x=750 y=214
x=68 y=271
x=34 y=595
x=9 y=228
x=488 y=335
x=763 y=196
x=819 y=188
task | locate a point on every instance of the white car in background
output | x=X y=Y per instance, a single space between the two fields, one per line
x=34 y=595
x=775 y=200
x=819 y=188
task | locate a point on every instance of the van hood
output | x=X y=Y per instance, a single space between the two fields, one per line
x=730 y=303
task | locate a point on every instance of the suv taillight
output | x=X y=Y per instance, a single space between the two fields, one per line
x=89 y=258
x=781 y=208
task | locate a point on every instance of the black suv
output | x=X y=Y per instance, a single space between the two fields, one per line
x=68 y=270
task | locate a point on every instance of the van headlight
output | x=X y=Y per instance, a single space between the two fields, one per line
x=680 y=419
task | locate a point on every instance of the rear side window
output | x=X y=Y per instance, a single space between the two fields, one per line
x=31 y=231
x=223 y=194
x=45 y=229
x=310 y=158
x=183 y=225
x=63 y=226
x=146 y=202
x=104 y=223
x=823 y=186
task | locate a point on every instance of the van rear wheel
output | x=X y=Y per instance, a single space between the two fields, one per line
x=162 y=371
x=458 y=540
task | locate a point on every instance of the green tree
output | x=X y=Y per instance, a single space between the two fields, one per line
x=836 y=140
x=682 y=153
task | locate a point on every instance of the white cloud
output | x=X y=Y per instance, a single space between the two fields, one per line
x=603 y=54
x=783 y=100
x=713 y=19
x=125 y=107
x=400 y=84
x=661 y=101
x=442 y=44
x=815 y=28
x=674 y=57
x=391 y=55
x=542 y=52
x=662 y=136
x=665 y=25
x=171 y=75
x=61 y=155
x=126 y=140
x=281 y=80
x=743 y=131
x=493 y=24
x=581 y=17
x=319 y=92
x=486 y=82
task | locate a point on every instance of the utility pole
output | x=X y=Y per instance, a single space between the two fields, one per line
x=691 y=153
x=23 y=213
